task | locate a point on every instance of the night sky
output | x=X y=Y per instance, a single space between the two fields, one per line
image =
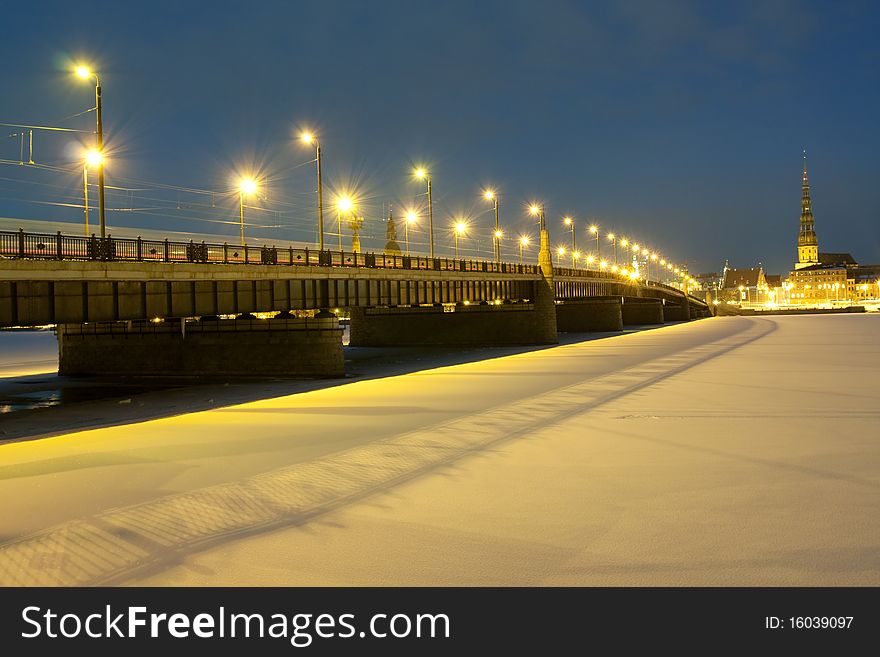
x=679 y=124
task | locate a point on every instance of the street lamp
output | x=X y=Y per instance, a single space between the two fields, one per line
x=568 y=221
x=459 y=229
x=594 y=230
x=560 y=252
x=613 y=238
x=411 y=218
x=490 y=195
x=92 y=158
x=309 y=138
x=246 y=187
x=84 y=73
x=523 y=242
x=422 y=174
x=343 y=204
x=538 y=211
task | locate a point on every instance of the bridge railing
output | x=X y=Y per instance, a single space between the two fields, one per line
x=46 y=246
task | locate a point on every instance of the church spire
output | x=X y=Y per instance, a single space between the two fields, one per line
x=808 y=244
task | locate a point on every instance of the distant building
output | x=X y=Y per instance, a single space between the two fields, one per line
x=744 y=285
x=823 y=278
x=775 y=288
x=710 y=282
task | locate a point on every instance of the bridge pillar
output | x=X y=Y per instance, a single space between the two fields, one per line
x=688 y=311
x=642 y=310
x=590 y=314
x=674 y=313
x=476 y=325
x=310 y=348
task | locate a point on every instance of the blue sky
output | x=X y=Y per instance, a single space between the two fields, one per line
x=680 y=124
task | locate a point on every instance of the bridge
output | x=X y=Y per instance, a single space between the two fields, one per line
x=134 y=306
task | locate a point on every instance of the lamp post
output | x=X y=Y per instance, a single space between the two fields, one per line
x=523 y=242
x=93 y=158
x=538 y=211
x=568 y=221
x=422 y=174
x=560 y=252
x=613 y=238
x=246 y=187
x=309 y=138
x=594 y=230
x=411 y=218
x=490 y=195
x=85 y=73
x=459 y=229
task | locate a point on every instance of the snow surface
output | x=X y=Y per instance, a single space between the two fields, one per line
x=732 y=451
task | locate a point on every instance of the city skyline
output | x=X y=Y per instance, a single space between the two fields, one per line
x=600 y=160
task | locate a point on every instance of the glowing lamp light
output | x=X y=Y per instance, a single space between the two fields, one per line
x=498 y=234
x=633 y=275
x=411 y=217
x=83 y=72
x=344 y=204
x=307 y=137
x=247 y=186
x=603 y=264
x=534 y=209
x=561 y=250
x=460 y=228
x=420 y=173
x=524 y=241
x=93 y=157
x=610 y=237
x=594 y=229
x=567 y=221
x=489 y=194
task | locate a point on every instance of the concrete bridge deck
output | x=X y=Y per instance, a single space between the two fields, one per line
x=47 y=279
x=706 y=453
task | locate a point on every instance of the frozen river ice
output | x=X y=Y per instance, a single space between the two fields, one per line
x=732 y=451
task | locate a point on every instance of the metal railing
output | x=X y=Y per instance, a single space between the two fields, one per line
x=45 y=246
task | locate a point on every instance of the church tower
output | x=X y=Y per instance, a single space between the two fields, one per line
x=808 y=245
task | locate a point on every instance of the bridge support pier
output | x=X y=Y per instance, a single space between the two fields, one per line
x=642 y=310
x=467 y=325
x=590 y=314
x=674 y=313
x=309 y=348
